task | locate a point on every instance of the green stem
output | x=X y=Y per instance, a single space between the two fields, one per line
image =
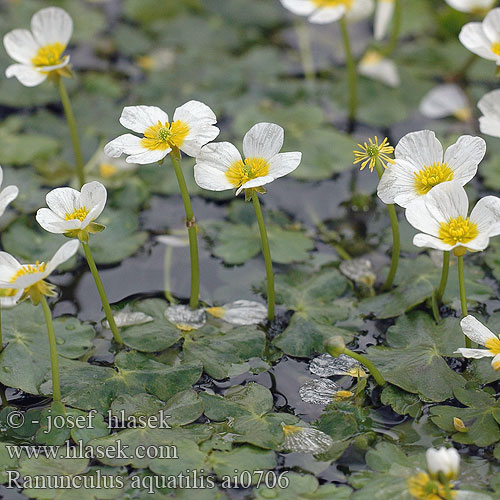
x=469 y=62
x=1 y=334
x=444 y=277
x=54 y=360
x=102 y=293
x=267 y=255
x=435 y=307
x=396 y=29
x=351 y=72
x=463 y=297
x=447 y=489
x=396 y=240
x=167 y=265
x=70 y=118
x=194 y=300
x=306 y=56
x=368 y=364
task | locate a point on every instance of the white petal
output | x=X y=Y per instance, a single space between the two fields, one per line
x=139 y=118
x=427 y=241
x=299 y=7
x=446 y=201
x=397 y=184
x=491 y=25
x=444 y=100
x=360 y=9
x=470 y=6
x=474 y=353
x=263 y=140
x=473 y=38
x=52 y=223
x=45 y=69
x=7 y=260
x=284 y=163
x=489 y=126
x=420 y=217
x=93 y=198
x=383 y=16
x=64 y=253
x=374 y=66
x=52 y=25
x=20 y=45
x=475 y=330
x=196 y=110
x=148 y=156
x=7 y=196
x=464 y=157
x=479 y=243
x=26 y=75
x=495 y=362
x=490 y=107
x=63 y=201
x=124 y=144
x=258 y=181
x=421 y=148
x=199 y=135
x=486 y=214
x=327 y=15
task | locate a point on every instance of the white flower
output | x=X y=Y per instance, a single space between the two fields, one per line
x=192 y=127
x=383 y=16
x=219 y=166
x=30 y=277
x=419 y=166
x=240 y=312
x=443 y=216
x=39 y=52
x=443 y=461
x=478 y=333
x=483 y=38
x=446 y=100
x=489 y=105
x=73 y=212
x=373 y=65
x=329 y=11
x=7 y=194
x=471 y=6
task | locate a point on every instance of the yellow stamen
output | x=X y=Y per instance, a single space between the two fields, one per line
x=463 y=114
x=496 y=365
x=37 y=267
x=341 y=395
x=241 y=172
x=458 y=230
x=371 y=151
x=431 y=176
x=107 y=170
x=372 y=57
x=493 y=345
x=79 y=213
x=291 y=429
x=422 y=487
x=165 y=135
x=334 y=3
x=495 y=48
x=49 y=55
x=217 y=312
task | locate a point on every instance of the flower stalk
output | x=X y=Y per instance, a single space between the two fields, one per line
x=306 y=56
x=396 y=29
x=352 y=76
x=70 y=118
x=194 y=300
x=267 y=255
x=102 y=293
x=463 y=297
x=437 y=296
x=167 y=265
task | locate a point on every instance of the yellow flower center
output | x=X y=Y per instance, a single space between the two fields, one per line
x=37 y=267
x=372 y=57
x=334 y=3
x=291 y=429
x=463 y=114
x=165 y=135
x=49 y=55
x=431 y=176
x=217 y=312
x=495 y=48
x=341 y=395
x=458 y=230
x=240 y=172
x=8 y=292
x=79 y=213
x=493 y=345
x=106 y=170
x=422 y=487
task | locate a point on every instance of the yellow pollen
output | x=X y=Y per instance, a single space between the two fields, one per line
x=495 y=48
x=291 y=429
x=496 y=365
x=458 y=230
x=463 y=114
x=48 y=55
x=165 y=135
x=217 y=312
x=421 y=486
x=37 y=267
x=79 y=213
x=334 y=3
x=372 y=57
x=370 y=152
x=107 y=170
x=340 y=395
x=241 y=172
x=493 y=345
x=431 y=176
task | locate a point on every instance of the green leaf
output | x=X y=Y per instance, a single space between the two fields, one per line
x=401 y=402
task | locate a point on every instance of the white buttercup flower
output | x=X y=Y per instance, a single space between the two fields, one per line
x=483 y=38
x=444 y=461
x=329 y=11
x=383 y=16
x=446 y=100
x=240 y=312
x=39 y=52
x=73 y=212
x=219 y=166
x=31 y=277
x=471 y=6
x=7 y=194
x=478 y=333
x=443 y=217
x=192 y=127
x=373 y=65
x=489 y=105
x=420 y=166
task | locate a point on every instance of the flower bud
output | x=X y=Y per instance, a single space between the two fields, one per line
x=444 y=461
x=335 y=346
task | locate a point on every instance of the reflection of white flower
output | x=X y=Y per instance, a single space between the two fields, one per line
x=39 y=52
x=383 y=16
x=7 y=194
x=240 y=312
x=471 y=6
x=71 y=211
x=30 y=277
x=483 y=38
x=219 y=166
x=379 y=68
x=443 y=218
x=191 y=128
x=446 y=100
x=185 y=318
x=329 y=11
x=489 y=105
x=420 y=166
x=305 y=440
x=482 y=335
x=443 y=461
x=127 y=318
x=171 y=240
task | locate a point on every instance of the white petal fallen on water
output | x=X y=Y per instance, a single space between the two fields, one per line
x=359 y=271
x=125 y=318
x=185 y=318
x=319 y=391
x=171 y=240
x=240 y=312
x=305 y=440
x=328 y=366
